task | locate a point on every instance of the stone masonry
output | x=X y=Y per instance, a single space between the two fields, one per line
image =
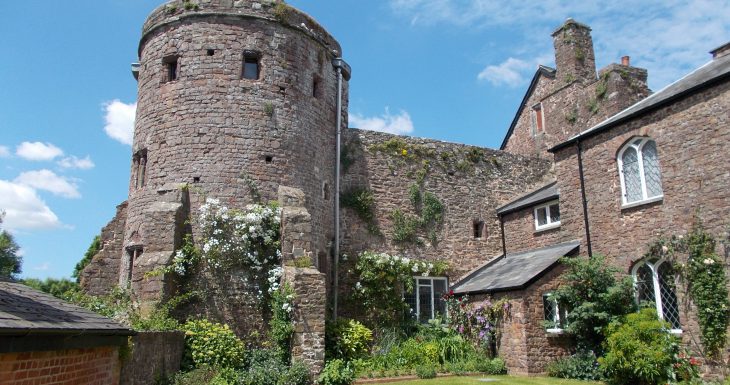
x=102 y=273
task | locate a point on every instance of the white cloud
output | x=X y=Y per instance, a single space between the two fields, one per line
x=510 y=73
x=74 y=162
x=38 y=151
x=394 y=124
x=24 y=209
x=4 y=152
x=668 y=37
x=42 y=267
x=47 y=180
x=119 y=120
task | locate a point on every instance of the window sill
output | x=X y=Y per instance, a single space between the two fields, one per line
x=676 y=332
x=642 y=202
x=554 y=332
x=551 y=226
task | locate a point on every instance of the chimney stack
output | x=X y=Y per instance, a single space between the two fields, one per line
x=626 y=61
x=574 y=56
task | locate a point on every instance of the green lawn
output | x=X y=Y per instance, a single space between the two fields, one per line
x=499 y=380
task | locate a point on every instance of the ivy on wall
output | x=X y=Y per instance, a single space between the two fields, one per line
x=362 y=202
x=705 y=282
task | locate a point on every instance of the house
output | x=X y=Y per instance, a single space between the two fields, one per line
x=44 y=340
x=656 y=168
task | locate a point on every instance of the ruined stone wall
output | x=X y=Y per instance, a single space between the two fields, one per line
x=101 y=275
x=224 y=136
x=691 y=137
x=469 y=181
x=574 y=99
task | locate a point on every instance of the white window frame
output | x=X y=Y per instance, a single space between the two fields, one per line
x=550 y=224
x=556 y=319
x=654 y=267
x=534 y=117
x=638 y=147
x=417 y=310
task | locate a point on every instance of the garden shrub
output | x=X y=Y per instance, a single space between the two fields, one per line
x=582 y=365
x=296 y=374
x=595 y=298
x=337 y=372
x=266 y=367
x=347 y=339
x=639 y=351
x=281 y=327
x=198 y=376
x=425 y=371
x=491 y=366
x=213 y=344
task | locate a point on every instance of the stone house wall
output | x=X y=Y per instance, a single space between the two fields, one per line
x=524 y=344
x=92 y=366
x=572 y=97
x=155 y=356
x=691 y=137
x=520 y=233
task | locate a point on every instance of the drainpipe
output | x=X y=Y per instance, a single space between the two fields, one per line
x=501 y=227
x=583 y=196
x=343 y=70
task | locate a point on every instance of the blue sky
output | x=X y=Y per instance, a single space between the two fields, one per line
x=451 y=70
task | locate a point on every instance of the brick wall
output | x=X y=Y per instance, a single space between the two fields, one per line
x=97 y=366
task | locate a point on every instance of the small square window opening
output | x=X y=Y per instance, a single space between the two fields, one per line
x=478 y=228
x=538 y=121
x=171 y=67
x=211 y=52
x=269 y=158
x=250 y=65
x=547 y=216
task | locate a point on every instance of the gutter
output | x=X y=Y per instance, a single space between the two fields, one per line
x=579 y=147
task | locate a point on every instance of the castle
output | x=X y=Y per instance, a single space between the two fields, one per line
x=238 y=100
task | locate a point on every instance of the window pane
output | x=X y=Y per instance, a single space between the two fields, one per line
x=554 y=213
x=670 y=305
x=549 y=308
x=651 y=170
x=632 y=180
x=645 y=284
x=410 y=299
x=439 y=290
x=542 y=216
x=251 y=69
x=424 y=297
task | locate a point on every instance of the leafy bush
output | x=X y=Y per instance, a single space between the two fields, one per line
x=281 y=326
x=199 y=376
x=347 y=339
x=59 y=288
x=639 y=351
x=88 y=255
x=425 y=371
x=297 y=374
x=265 y=366
x=580 y=366
x=212 y=344
x=494 y=366
x=595 y=298
x=337 y=372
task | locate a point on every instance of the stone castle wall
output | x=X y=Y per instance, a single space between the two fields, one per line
x=222 y=135
x=469 y=181
x=101 y=275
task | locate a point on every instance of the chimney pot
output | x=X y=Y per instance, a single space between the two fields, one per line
x=625 y=60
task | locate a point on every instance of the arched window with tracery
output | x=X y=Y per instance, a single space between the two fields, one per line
x=641 y=178
x=654 y=282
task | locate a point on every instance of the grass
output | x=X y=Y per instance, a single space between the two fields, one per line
x=499 y=380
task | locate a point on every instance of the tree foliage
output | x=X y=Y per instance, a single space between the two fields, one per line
x=594 y=297
x=10 y=260
x=88 y=255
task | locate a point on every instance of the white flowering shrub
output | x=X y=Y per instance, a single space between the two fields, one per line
x=380 y=279
x=235 y=239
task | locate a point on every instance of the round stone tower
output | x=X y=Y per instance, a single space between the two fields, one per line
x=236 y=97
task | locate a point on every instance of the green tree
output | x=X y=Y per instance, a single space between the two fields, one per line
x=90 y=253
x=60 y=288
x=10 y=261
x=594 y=297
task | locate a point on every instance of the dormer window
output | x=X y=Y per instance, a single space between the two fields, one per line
x=538 y=120
x=251 y=65
x=547 y=216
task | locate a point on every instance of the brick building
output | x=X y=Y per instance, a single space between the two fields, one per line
x=237 y=102
x=44 y=340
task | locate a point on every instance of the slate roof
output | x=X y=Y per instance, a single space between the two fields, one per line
x=709 y=74
x=24 y=310
x=545 y=193
x=541 y=70
x=515 y=271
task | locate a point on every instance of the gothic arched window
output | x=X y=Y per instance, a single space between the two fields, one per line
x=654 y=282
x=639 y=172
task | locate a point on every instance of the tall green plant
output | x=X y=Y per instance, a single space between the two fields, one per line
x=595 y=297
x=10 y=260
x=94 y=248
